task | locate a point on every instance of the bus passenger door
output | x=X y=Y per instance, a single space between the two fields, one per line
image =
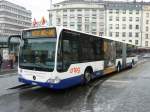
x=109 y=56
x=124 y=55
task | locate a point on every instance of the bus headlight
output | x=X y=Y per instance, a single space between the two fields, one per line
x=55 y=80
x=20 y=71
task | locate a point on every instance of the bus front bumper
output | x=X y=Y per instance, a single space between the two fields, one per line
x=65 y=83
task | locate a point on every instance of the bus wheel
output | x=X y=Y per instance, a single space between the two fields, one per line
x=87 y=76
x=118 y=68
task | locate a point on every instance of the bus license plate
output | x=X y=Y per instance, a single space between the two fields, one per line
x=33 y=83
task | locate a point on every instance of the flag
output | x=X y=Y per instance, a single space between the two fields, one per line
x=43 y=21
x=34 y=22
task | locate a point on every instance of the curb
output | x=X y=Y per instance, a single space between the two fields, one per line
x=142 y=61
x=3 y=72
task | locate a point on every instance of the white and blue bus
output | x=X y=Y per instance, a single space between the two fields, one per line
x=59 y=58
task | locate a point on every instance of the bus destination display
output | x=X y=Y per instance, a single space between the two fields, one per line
x=47 y=32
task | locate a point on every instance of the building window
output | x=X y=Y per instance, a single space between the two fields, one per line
x=137 y=11
x=137 y=19
x=130 y=41
x=117 y=18
x=64 y=25
x=64 y=13
x=58 y=21
x=124 y=12
x=110 y=18
x=79 y=10
x=130 y=11
x=117 y=34
x=123 y=34
x=79 y=19
x=147 y=21
x=130 y=18
x=93 y=26
x=110 y=34
x=130 y=26
x=147 y=15
x=110 y=11
x=71 y=10
x=146 y=43
x=94 y=19
x=87 y=27
x=117 y=11
x=110 y=26
x=64 y=19
x=94 y=33
x=137 y=27
x=124 y=19
x=146 y=36
x=130 y=34
x=87 y=12
x=87 y=19
x=101 y=33
x=136 y=34
x=136 y=42
x=147 y=28
x=72 y=19
x=124 y=26
x=94 y=12
x=79 y=27
x=117 y=26
x=72 y=26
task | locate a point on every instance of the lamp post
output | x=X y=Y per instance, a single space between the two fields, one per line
x=50 y=13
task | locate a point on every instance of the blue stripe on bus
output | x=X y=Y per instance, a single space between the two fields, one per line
x=65 y=83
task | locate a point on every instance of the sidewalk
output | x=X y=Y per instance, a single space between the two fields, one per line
x=6 y=71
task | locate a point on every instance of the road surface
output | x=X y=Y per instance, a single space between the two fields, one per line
x=128 y=91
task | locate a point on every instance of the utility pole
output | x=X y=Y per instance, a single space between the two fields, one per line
x=50 y=14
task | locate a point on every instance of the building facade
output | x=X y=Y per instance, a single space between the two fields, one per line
x=126 y=21
x=146 y=26
x=82 y=15
x=13 y=18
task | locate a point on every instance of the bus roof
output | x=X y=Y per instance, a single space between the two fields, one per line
x=60 y=28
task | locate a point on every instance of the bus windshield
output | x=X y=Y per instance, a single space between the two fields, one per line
x=38 y=54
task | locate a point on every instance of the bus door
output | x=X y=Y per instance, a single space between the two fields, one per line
x=109 y=56
x=124 y=55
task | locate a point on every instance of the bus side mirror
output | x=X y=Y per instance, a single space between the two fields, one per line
x=11 y=37
x=21 y=43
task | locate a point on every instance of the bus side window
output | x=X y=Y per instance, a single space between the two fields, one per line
x=98 y=49
x=66 y=54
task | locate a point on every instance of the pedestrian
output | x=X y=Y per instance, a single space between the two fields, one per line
x=11 y=56
x=1 y=61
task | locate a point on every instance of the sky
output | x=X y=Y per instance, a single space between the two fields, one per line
x=39 y=7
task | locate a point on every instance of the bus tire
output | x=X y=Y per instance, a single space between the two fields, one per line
x=87 y=76
x=118 y=67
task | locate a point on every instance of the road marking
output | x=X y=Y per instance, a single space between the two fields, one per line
x=8 y=74
x=117 y=81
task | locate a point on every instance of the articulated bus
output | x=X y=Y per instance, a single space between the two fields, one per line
x=59 y=58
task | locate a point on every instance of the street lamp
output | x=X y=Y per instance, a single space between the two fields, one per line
x=50 y=13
